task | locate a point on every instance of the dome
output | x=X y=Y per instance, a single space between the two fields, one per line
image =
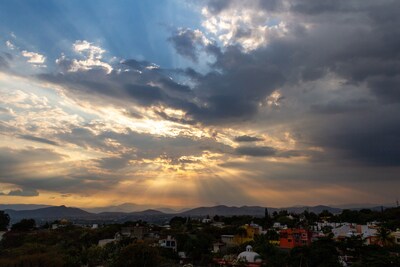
x=249 y=255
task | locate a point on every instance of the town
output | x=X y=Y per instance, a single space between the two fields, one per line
x=362 y=237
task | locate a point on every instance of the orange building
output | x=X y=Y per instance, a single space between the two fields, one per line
x=290 y=238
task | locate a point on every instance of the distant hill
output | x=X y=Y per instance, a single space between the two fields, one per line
x=253 y=210
x=316 y=209
x=148 y=212
x=227 y=211
x=22 y=206
x=359 y=206
x=125 y=207
x=128 y=207
x=152 y=216
x=49 y=213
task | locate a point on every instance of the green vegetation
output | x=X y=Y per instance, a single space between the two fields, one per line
x=4 y=220
x=71 y=245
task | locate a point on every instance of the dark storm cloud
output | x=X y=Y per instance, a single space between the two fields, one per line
x=234 y=93
x=151 y=87
x=138 y=65
x=11 y=159
x=146 y=95
x=310 y=7
x=14 y=164
x=270 y=5
x=24 y=169
x=256 y=151
x=217 y=6
x=114 y=163
x=165 y=116
x=23 y=193
x=185 y=43
x=38 y=139
x=355 y=42
x=370 y=137
x=387 y=88
x=247 y=138
x=141 y=145
x=171 y=85
x=337 y=107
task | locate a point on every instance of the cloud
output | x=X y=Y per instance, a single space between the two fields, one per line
x=369 y=138
x=92 y=58
x=23 y=193
x=317 y=80
x=246 y=83
x=187 y=42
x=38 y=139
x=35 y=59
x=114 y=163
x=247 y=138
x=10 y=45
x=295 y=55
x=255 y=151
x=3 y=63
x=33 y=169
x=248 y=24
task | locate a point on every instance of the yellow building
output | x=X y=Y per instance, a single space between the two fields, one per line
x=247 y=234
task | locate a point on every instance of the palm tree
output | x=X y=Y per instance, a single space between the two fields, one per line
x=384 y=236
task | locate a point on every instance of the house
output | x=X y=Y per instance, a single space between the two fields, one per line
x=367 y=232
x=206 y=220
x=278 y=225
x=169 y=243
x=293 y=237
x=218 y=246
x=218 y=224
x=250 y=257
x=249 y=231
x=104 y=242
x=126 y=231
x=228 y=240
x=139 y=232
x=396 y=236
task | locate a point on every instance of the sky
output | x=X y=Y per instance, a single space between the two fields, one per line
x=179 y=103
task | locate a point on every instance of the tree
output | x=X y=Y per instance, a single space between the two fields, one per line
x=95 y=255
x=272 y=234
x=325 y=214
x=4 y=220
x=177 y=222
x=384 y=236
x=24 y=225
x=138 y=254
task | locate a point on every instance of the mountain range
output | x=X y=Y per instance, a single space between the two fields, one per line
x=42 y=213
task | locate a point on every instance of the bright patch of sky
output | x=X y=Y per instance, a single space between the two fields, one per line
x=127 y=29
